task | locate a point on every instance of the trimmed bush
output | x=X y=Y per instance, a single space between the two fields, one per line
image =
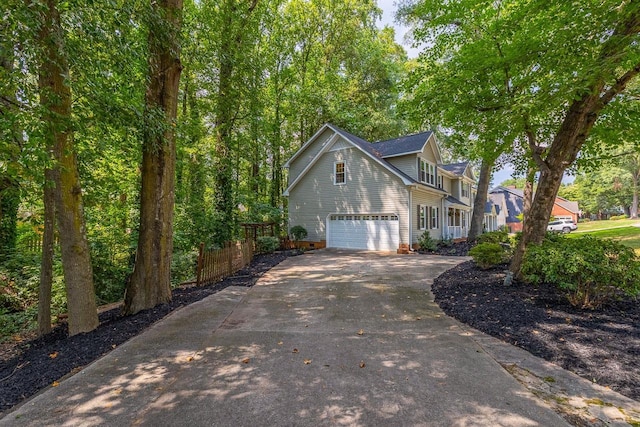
x=298 y=232
x=267 y=244
x=426 y=242
x=591 y=271
x=487 y=255
x=500 y=236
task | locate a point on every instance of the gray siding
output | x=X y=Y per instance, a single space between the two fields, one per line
x=307 y=155
x=369 y=188
x=427 y=199
x=446 y=184
x=407 y=164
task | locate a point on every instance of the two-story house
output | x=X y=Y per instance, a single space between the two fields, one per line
x=350 y=193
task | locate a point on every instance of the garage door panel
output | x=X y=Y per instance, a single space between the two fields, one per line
x=365 y=231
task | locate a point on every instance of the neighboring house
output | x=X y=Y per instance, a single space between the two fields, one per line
x=349 y=193
x=513 y=200
x=566 y=209
x=500 y=203
x=490 y=221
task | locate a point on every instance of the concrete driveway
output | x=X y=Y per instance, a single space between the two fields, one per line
x=328 y=338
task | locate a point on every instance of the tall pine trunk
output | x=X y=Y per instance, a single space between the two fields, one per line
x=480 y=201
x=55 y=98
x=150 y=282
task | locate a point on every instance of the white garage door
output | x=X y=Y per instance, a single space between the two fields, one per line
x=380 y=232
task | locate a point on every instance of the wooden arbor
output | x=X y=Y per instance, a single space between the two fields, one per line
x=253 y=230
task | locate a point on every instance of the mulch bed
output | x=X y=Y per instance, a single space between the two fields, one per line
x=30 y=366
x=601 y=345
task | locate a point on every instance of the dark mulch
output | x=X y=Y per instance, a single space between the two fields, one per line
x=600 y=345
x=33 y=365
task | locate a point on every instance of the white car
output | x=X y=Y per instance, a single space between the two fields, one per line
x=562 y=225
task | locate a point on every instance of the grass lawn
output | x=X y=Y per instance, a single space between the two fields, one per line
x=627 y=235
x=604 y=224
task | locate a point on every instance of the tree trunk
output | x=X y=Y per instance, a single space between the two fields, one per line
x=55 y=97
x=574 y=130
x=480 y=201
x=232 y=40
x=46 y=264
x=528 y=193
x=150 y=282
x=635 y=177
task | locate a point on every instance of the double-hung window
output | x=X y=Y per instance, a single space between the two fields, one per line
x=423 y=215
x=339 y=173
x=427 y=172
x=435 y=214
x=428 y=217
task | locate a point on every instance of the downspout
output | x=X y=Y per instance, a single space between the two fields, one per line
x=409 y=218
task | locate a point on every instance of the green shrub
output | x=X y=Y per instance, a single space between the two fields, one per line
x=426 y=242
x=591 y=271
x=446 y=242
x=267 y=244
x=500 y=236
x=487 y=255
x=298 y=232
x=617 y=217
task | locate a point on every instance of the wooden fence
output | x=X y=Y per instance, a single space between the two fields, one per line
x=218 y=264
x=33 y=244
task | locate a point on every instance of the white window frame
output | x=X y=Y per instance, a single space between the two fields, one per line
x=423 y=214
x=343 y=173
x=440 y=182
x=434 y=221
x=427 y=172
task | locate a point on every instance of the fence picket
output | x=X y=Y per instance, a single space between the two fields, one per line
x=215 y=265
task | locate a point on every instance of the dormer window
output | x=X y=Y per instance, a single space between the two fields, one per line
x=440 y=181
x=339 y=173
x=427 y=172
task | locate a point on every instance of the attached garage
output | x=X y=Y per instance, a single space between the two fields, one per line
x=375 y=232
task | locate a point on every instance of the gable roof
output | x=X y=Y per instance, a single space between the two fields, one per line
x=514 y=201
x=369 y=149
x=569 y=205
x=410 y=144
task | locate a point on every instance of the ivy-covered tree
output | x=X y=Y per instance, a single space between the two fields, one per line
x=150 y=282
